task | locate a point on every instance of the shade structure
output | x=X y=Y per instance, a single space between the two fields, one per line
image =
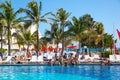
x=50 y=48
x=72 y=47
x=59 y=49
x=54 y=49
x=43 y=48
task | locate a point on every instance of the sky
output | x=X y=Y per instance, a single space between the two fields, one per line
x=105 y=11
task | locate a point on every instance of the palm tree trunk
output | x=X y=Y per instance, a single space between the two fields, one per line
x=37 y=43
x=62 y=46
x=57 y=48
x=103 y=47
x=79 y=46
x=27 y=48
x=9 y=40
x=19 y=48
x=62 y=40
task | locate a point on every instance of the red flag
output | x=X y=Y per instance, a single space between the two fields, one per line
x=118 y=33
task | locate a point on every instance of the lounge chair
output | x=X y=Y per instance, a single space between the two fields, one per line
x=88 y=58
x=112 y=58
x=8 y=60
x=96 y=58
x=33 y=59
x=80 y=58
x=117 y=58
x=40 y=59
x=49 y=56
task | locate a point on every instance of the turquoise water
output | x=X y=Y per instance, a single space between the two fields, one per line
x=79 y=72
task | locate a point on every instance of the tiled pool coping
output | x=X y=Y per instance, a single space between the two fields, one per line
x=36 y=64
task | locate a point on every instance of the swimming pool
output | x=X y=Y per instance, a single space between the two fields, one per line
x=79 y=72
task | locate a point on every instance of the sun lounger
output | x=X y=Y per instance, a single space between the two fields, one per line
x=112 y=58
x=117 y=58
x=8 y=59
x=88 y=58
x=33 y=59
x=49 y=56
x=80 y=58
x=96 y=58
x=40 y=58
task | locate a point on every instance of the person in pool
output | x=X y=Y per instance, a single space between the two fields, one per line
x=105 y=61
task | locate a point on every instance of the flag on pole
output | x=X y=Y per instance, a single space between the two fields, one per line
x=118 y=33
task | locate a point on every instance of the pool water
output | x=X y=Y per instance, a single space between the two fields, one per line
x=79 y=72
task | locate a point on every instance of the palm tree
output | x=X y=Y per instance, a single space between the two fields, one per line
x=22 y=27
x=26 y=37
x=9 y=16
x=56 y=34
x=76 y=29
x=108 y=39
x=88 y=25
x=88 y=21
x=89 y=31
x=34 y=14
x=2 y=33
x=100 y=33
x=20 y=41
x=62 y=17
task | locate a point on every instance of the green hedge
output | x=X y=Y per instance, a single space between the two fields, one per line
x=106 y=53
x=3 y=50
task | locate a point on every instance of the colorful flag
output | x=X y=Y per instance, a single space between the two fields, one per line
x=118 y=33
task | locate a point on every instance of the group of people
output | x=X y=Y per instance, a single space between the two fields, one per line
x=16 y=56
x=64 y=59
x=74 y=59
x=52 y=58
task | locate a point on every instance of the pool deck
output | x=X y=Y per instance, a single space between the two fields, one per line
x=45 y=64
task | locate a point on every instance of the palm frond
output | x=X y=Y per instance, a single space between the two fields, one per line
x=43 y=20
x=40 y=8
x=33 y=6
x=28 y=12
x=1 y=15
x=46 y=14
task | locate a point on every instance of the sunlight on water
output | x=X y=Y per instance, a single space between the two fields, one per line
x=80 y=72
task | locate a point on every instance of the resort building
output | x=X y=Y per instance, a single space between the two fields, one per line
x=14 y=45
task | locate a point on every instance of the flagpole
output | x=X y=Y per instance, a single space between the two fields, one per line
x=113 y=40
